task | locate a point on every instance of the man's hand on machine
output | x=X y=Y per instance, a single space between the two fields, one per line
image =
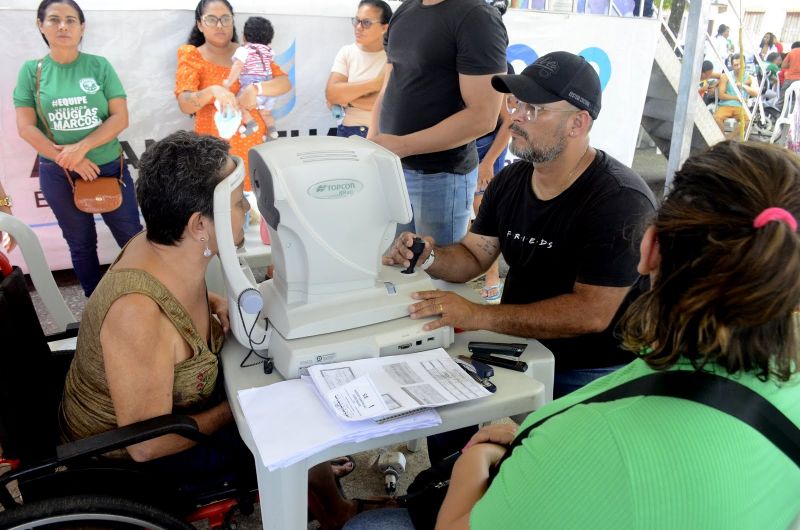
x=400 y=252
x=454 y=310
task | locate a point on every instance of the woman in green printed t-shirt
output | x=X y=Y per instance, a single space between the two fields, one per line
x=85 y=107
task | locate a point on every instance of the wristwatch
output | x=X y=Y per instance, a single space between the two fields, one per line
x=6 y=201
x=429 y=261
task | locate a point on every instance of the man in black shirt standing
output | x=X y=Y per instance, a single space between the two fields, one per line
x=567 y=219
x=436 y=99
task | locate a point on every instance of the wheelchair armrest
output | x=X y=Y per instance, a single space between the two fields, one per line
x=108 y=441
x=131 y=434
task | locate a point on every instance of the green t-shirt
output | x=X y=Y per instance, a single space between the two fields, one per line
x=645 y=462
x=74 y=98
x=772 y=70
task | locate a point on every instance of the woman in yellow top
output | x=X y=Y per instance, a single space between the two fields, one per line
x=204 y=63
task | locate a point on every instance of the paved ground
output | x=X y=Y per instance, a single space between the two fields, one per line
x=364 y=481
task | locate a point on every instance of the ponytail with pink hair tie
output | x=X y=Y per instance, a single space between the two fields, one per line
x=775 y=214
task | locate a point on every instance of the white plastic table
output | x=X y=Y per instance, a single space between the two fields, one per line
x=284 y=495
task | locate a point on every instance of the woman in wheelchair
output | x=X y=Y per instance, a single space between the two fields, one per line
x=150 y=335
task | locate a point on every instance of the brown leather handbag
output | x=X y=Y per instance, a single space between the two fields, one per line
x=101 y=195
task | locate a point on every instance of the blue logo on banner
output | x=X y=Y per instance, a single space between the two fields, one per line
x=526 y=54
x=286 y=102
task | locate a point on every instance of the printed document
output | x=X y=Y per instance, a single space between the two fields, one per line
x=390 y=386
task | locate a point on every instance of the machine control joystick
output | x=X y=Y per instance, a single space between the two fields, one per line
x=416 y=247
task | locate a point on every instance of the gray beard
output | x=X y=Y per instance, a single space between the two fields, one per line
x=536 y=154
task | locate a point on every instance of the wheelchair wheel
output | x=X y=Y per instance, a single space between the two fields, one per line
x=89 y=512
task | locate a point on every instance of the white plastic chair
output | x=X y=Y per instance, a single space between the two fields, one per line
x=790 y=106
x=39 y=270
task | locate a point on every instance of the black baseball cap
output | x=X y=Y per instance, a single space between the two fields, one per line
x=554 y=77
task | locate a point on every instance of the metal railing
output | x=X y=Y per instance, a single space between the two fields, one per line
x=749 y=40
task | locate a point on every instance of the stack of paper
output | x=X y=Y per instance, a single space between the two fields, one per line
x=351 y=402
x=289 y=422
x=394 y=385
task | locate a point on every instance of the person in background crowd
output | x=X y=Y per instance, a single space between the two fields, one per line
x=359 y=69
x=85 y=108
x=435 y=101
x=723 y=47
x=769 y=44
x=723 y=255
x=790 y=68
x=773 y=68
x=708 y=82
x=204 y=63
x=730 y=105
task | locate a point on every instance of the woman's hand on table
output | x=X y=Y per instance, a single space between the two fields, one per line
x=219 y=307
x=71 y=155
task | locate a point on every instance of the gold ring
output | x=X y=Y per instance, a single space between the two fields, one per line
x=441 y=308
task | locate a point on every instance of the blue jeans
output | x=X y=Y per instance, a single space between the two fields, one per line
x=385 y=519
x=567 y=381
x=442 y=204
x=205 y=468
x=347 y=131
x=484 y=143
x=78 y=227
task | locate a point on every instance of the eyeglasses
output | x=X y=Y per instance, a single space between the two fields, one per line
x=528 y=110
x=366 y=23
x=211 y=21
x=56 y=21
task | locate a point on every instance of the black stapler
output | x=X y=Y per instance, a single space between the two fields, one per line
x=479 y=371
x=498 y=353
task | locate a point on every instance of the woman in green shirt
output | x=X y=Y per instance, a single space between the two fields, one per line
x=723 y=255
x=85 y=107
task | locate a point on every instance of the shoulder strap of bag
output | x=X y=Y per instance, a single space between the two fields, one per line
x=40 y=112
x=39 y=108
x=708 y=389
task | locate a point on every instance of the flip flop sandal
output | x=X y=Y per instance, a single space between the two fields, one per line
x=498 y=292
x=341 y=462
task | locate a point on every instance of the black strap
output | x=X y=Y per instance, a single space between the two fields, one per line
x=708 y=389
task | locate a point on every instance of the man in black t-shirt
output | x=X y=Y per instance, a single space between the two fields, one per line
x=436 y=99
x=567 y=219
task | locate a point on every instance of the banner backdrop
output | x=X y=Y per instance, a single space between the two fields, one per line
x=141 y=41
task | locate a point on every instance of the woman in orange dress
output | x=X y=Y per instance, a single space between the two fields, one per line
x=205 y=62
